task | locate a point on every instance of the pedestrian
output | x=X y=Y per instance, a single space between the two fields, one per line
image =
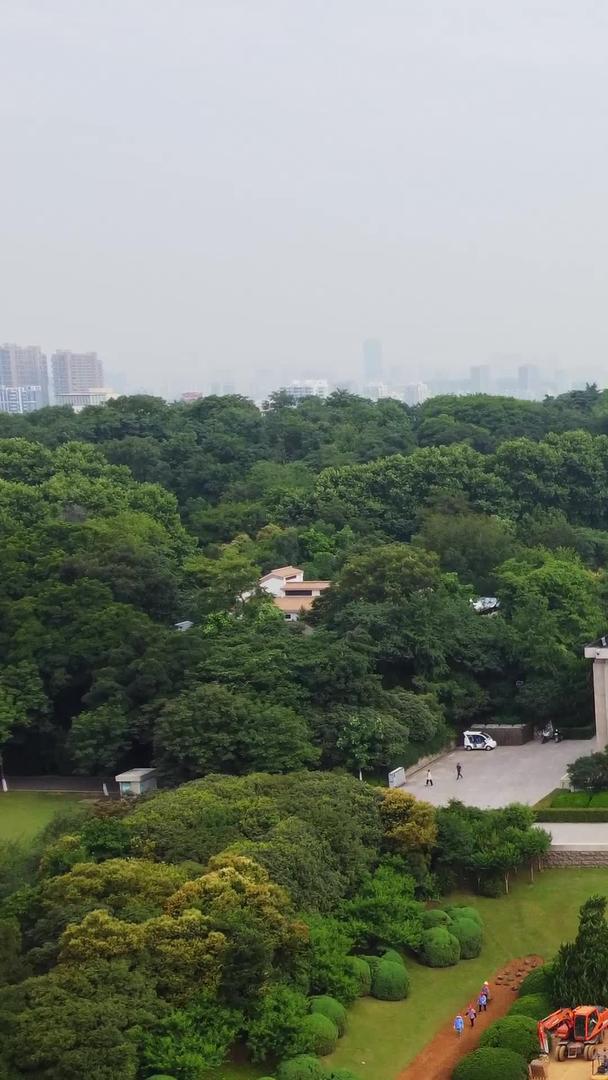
x=472 y=1015
x=458 y=771
x=429 y=778
x=486 y=990
x=459 y=1025
x=482 y=1001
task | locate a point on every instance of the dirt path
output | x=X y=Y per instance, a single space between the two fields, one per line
x=440 y=1055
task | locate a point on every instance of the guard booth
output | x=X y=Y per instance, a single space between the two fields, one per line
x=136 y=782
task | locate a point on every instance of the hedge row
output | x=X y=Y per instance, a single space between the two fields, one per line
x=306 y=1067
x=589 y=813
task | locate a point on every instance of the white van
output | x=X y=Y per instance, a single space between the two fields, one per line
x=478 y=740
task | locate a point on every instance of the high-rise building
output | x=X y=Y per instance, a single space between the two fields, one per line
x=20 y=399
x=480 y=379
x=75 y=373
x=528 y=378
x=372 y=360
x=415 y=393
x=302 y=388
x=24 y=366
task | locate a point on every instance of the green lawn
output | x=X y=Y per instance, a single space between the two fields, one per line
x=25 y=813
x=383 y=1037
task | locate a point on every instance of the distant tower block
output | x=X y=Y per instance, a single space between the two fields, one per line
x=598 y=652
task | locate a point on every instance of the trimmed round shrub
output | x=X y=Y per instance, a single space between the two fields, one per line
x=491 y=1063
x=302 y=1067
x=537 y=982
x=464 y=911
x=328 y=1006
x=435 y=917
x=393 y=957
x=362 y=973
x=470 y=936
x=373 y=962
x=390 y=982
x=320 y=1033
x=535 y=1005
x=439 y=948
x=517 y=1033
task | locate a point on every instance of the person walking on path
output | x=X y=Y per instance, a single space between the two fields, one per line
x=482 y=1001
x=429 y=778
x=486 y=990
x=459 y=1025
x=472 y=1015
x=458 y=771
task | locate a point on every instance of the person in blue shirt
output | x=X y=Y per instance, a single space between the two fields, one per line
x=459 y=1025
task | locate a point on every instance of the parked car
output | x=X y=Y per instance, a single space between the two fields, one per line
x=478 y=740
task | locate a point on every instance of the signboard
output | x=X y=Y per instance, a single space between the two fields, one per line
x=396 y=778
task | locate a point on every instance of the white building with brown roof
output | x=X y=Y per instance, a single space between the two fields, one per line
x=292 y=595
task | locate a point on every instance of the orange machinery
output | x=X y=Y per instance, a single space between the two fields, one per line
x=575 y=1031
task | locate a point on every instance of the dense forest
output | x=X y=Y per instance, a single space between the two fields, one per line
x=250 y=902
x=146 y=941
x=124 y=519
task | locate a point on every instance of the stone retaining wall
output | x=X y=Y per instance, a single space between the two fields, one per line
x=564 y=857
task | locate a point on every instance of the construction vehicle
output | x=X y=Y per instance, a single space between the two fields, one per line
x=576 y=1032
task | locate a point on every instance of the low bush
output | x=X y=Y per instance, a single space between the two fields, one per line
x=464 y=911
x=328 y=1006
x=535 y=1005
x=537 y=982
x=491 y=885
x=390 y=982
x=362 y=973
x=393 y=957
x=470 y=936
x=341 y=1074
x=439 y=948
x=491 y=1063
x=435 y=917
x=586 y=731
x=320 y=1033
x=517 y=1033
x=302 y=1067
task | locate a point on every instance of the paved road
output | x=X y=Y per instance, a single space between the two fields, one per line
x=578 y=835
x=497 y=777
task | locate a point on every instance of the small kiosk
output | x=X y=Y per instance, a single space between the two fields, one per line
x=136 y=782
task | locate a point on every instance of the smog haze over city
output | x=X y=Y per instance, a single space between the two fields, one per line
x=237 y=193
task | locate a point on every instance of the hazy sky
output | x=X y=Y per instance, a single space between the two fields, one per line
x=203 y=189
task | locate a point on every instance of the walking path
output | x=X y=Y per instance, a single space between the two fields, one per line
x=440 y=1055
x=578 y=835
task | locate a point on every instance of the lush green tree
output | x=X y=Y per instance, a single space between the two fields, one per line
x=579 y=971
x=189 y=1041
x=276 y=1028
x=78 y=1021
x=212 y=728
x=384 y=911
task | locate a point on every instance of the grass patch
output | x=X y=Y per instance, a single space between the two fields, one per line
x=24 y=813
x=565 y=799
x=383 y=1037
